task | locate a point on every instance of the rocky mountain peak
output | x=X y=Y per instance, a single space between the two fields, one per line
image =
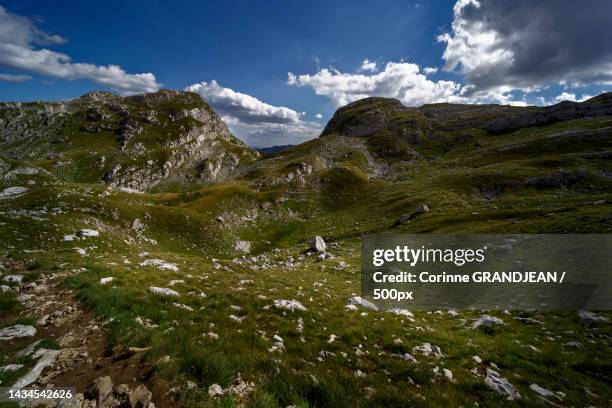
x=136 y=141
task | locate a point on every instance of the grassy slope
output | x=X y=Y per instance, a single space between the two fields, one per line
x=340 y=202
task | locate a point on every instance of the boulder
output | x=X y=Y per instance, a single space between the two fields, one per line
x=401 y=312
x=140 y=398
x=215 y=390
x=101 y=388
x=590 y=319
x=12 y=192
x=486 y=320
x=242 y=246
x=86 y=232
x=428 y=349
x=289 y=305
x=543 y=392
x=17 y=331
x=163 y=291
x=317 y=244
x=359 y=301
x=47 y=359
x=501 y=385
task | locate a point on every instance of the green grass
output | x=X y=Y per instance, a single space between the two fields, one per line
x=469 y=185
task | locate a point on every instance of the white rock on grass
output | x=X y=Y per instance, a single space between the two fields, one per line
x=47 y=358
x=428 y=349
x=182 y=306
x=501 y=385
x=486 y=320
x=242 y=246
x=279 y=344
x=448 y=374
x=17 y=331
x=236 y=318
x=12 y=192
x=28 y=350
x=104 y=281
x=13 y=278
x=86 y=232
x=215 y=390
x=69 y=237
x=543 y=392
x=163 y=291
x=289 y=305
x=80 y=251
x=359 y=301
x=452 y=313
x=160 y=264
x=590 y=318
x=401 y=312
x=409 y=357
x=317 y=244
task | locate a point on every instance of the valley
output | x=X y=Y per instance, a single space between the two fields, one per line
x=196 y=260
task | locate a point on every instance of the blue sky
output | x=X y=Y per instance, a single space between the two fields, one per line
x=283 y=67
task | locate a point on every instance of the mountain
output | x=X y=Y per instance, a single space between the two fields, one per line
x=138 y=141
x=273 y=149
x=196 y=280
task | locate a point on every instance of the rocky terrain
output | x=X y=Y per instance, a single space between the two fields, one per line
x=135 y=142
x=149 y=258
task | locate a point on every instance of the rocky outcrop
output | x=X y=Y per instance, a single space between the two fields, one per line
x=137 y=141
x=370 y=116
x=598 y=106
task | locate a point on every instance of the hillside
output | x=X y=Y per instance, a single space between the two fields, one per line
x=103 y=199
x=136 y=142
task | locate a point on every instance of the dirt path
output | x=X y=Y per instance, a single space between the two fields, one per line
x=84 y=356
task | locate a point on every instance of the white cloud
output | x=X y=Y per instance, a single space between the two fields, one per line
x=245 y=107
x=257 y=123
x=430 y=70
x=399 y=80
x=521 y=45
x=569 y=96
x=18 y=37
x=14 y=78
x=368 y=65
x=319 y=116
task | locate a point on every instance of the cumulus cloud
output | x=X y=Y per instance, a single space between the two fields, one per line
x=430 y=70
x=368 y=65
x=399 y=80
x=568 y=96
x=513 y=44
x=14 y=78
x=319 y=116
x=256 y=122
x=19 y=38
x=245 y=107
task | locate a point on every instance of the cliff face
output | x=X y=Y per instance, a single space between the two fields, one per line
x=137 y=141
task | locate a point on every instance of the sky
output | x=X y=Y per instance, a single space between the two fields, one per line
x=276 y=70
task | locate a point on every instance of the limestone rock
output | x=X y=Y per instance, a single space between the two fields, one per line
x=501 y=385
x=317 y=244
x=17 y=331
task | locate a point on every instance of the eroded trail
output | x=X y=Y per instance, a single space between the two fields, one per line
x=69 y=348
